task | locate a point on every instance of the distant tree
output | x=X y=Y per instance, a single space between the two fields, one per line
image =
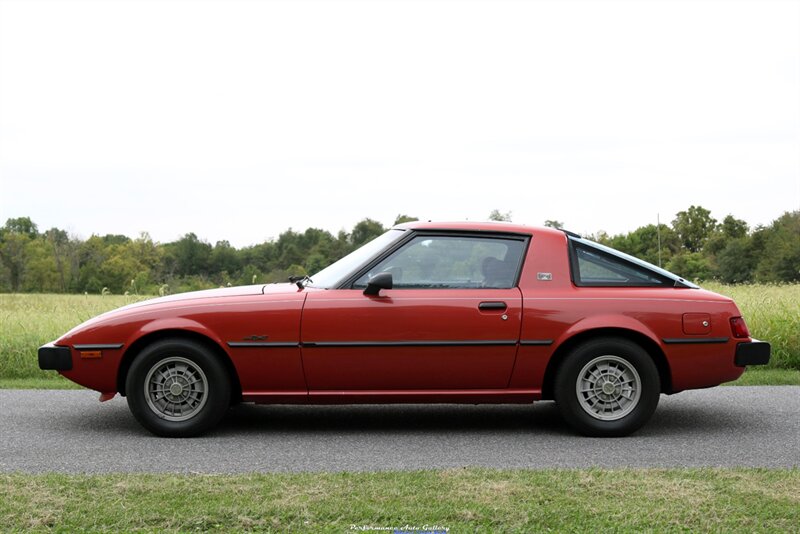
x=118 y=271
x=250 y=275
x=290 y=255
x=400 y=219
x=224 y=258
x=316 y=262
x=365 y=230
x=496 y=215
x=21 y=225
x=736 y=262
x=14 y=257
x=339 y=247
x=780 y=259
x=554 y=224
x=116 y=239
x=691 y=266
x=693 y=227
x=644 y=243
x=314 y=237
x=14 y=239
x=727 y=239
x=192 y=256
x=289 y=249
x=63 y=251
x=733 y=228
x=260 y=257
x=325 y=250
x=92 y=254
x=41 y=272
x=149 y=264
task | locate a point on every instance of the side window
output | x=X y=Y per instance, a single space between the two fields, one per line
x=593 y=267
x=452 y=262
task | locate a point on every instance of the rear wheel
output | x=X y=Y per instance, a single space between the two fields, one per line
x=607 y=387
x=177 y=388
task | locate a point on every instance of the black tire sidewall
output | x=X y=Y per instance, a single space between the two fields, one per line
x=219 y=391
x=567 y=376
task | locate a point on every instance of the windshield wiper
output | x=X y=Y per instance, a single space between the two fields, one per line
x=301 y=281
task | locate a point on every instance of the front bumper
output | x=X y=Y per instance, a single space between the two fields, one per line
x=752 y=353
x=52 y=358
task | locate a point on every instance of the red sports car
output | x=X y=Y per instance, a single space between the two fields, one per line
x=427 y=312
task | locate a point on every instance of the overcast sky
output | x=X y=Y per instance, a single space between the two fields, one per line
x=237 y=120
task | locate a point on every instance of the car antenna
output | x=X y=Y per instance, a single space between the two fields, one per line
x=658 y=233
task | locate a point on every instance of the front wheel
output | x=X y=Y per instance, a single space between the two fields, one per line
x=177 y=388
x=607 y=387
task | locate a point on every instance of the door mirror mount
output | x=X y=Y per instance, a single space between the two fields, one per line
x=379 y=281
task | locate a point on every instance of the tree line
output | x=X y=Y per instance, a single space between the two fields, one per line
x=695 y=246
x=55 y=262
x=698 y=247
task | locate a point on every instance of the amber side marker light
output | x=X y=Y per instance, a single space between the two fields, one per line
x=91 y=354
x=739 y=327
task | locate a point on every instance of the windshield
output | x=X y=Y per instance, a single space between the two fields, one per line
x=334 y=274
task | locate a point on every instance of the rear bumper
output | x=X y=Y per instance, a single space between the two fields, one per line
x=753 y=353
x=52 y=358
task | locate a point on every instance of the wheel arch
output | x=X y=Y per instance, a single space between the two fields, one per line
x=173 y=333
x=650 y=346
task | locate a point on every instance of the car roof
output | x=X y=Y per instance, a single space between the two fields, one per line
x=482 y=226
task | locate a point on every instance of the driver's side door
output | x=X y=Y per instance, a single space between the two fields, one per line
x=450 y=322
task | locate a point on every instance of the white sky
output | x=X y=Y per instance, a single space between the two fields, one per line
x=237 y=120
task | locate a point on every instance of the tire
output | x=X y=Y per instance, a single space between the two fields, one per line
x=178 y=388
x=607 y=387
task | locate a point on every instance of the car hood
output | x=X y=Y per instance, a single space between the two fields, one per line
x=176 y=301
x=238 y=291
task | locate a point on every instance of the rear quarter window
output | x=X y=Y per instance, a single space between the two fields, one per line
x=595 y=267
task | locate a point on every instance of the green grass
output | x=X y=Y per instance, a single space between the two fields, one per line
x=55 y=382
x=462 y=500
x=772 y=313
x=757 y=376
x=28 y=321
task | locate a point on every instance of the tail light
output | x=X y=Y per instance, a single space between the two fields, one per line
x=739 y=327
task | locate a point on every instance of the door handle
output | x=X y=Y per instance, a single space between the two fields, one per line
x=492 y=306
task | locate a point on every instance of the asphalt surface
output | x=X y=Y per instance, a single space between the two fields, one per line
x=70 y=431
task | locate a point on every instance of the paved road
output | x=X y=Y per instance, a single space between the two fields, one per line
x=69 y=431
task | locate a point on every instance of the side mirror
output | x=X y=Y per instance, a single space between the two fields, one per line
x=378 y=282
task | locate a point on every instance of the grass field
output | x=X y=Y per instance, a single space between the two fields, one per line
x=28 y=321
x=462 y=500
x=773 y=314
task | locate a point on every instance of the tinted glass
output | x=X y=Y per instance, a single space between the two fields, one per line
x=598 y=268
x=452 y=262
x=668 y=277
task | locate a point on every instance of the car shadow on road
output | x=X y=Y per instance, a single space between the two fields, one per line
x=674 y=420
x=102 y=419
x=537 y=418
x=541 y=418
